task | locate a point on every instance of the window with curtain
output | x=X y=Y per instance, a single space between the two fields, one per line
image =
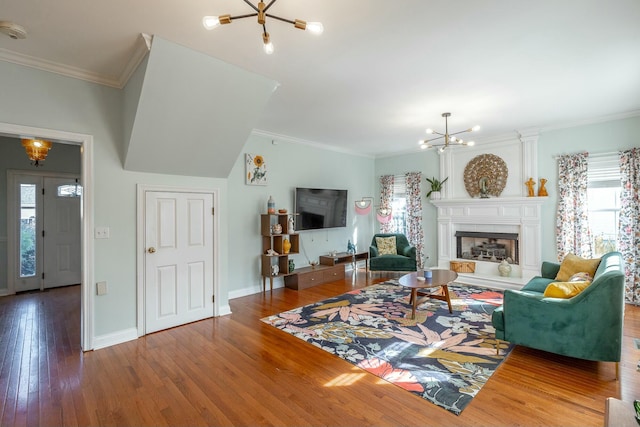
x=603 y=191
x=403 y=194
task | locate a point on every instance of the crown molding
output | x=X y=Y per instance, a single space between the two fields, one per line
x=142 y=47
x=54 y=67
x=292 y=140
x=590 y=121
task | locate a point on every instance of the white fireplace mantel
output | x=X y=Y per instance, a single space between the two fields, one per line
x=520 y=215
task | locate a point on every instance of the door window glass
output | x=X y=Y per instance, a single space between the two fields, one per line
x=27 y=230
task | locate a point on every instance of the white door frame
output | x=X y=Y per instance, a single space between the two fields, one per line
x=13 y=251
x=141 y=249
x=85 y=142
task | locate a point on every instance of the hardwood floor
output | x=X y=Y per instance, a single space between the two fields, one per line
x=235 y=370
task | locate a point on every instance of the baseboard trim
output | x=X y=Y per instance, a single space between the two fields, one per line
x=114 y=338
x=252 y=290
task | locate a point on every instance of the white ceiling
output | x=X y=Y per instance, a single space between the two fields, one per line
x=383 y=71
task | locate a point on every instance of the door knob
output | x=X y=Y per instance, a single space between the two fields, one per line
x=151 y=250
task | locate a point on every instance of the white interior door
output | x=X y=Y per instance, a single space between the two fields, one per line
x=178 y=281
x=61 y=232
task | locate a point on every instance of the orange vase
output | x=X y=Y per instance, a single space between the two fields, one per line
x=286 y=246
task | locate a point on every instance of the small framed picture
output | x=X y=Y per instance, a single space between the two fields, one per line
x=255 y=169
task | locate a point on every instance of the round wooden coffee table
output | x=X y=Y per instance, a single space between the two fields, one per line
x=439 y=278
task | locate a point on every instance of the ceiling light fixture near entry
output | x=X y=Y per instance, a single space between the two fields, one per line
x=37 y=150
x=13 y=30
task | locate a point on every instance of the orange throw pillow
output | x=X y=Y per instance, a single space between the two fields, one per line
x=565 y=289
x=572 y=264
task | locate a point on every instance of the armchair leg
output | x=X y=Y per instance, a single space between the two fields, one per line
x=497 y=347
x=617 y=370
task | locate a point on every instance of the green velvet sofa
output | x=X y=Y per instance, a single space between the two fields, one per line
x=586 y=326
x=405 y=260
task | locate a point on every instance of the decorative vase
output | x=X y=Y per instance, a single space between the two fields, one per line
x=271 y=206
x=292 y=266
x=436 y=195
x=286 y=246
x=504 y=268
x=276 y=229
x=290 y=228
x=351 y=248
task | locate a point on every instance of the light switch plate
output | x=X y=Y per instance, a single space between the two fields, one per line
x=101 y=288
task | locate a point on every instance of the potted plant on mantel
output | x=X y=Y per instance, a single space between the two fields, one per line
x=436 y=188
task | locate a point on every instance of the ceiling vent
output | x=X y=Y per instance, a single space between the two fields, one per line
x=13 y=30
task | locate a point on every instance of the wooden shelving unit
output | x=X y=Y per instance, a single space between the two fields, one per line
x=275 y=242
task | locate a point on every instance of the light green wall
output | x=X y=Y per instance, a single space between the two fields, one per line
x=291 y=165
x=596 y=138
x=46 y=100
x=61 y=158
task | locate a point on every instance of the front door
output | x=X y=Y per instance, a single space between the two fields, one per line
x=178 y=283
x=45 y=224
x=61 y=232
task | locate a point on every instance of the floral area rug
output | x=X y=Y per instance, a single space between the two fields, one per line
x=442 y=357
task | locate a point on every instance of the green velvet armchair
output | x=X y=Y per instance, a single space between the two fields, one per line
x=586 y=326
x=404 y=260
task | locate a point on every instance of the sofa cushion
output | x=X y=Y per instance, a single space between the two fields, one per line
x=386 y=245
x=572 y=264
x=565 y=289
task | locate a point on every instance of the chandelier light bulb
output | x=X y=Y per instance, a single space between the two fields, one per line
x=476 y=128
x=268 y=46
x=441 y=149
x=471 y=143
x=429 y=131
x=315 y=27
x=210 y=22
x=452 y=139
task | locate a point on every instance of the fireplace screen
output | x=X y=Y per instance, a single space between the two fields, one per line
x=491 y=247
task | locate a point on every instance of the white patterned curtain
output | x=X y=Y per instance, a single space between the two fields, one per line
x=572 y=225
x=629 y=226
x=415 y=234
x=386 y=197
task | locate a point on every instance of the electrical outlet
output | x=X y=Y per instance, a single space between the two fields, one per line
x=101 y=233
x=101 y=288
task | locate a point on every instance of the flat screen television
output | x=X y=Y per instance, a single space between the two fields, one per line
x=320 y=208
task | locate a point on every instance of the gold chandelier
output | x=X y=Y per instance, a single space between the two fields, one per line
x=37 y=150
x=447 y=138
x=211 y=22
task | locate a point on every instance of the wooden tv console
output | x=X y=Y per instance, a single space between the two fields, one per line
x=331 y=268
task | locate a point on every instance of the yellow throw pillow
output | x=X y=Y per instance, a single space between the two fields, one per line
x=572 y=264
x=565 y=289
x=386 y=245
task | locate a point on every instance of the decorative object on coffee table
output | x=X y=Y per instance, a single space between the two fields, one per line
x=488 y=169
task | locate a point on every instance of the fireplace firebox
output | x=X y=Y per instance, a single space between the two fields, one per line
x=487 y=246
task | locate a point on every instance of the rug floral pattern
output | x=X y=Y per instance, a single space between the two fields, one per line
x=442 y=357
